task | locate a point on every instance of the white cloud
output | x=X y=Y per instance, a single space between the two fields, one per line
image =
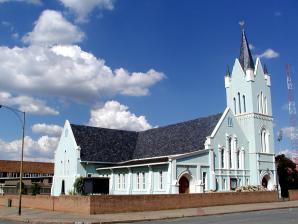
x=47 y=129
x=34 y=2
x=278 y=14
x=117 y=116
x=5 y=23
x=27 y=104
x=287 y=132
x=269 y=53
x=289 y=153
x=52 y=28
x=68 y=72
x=83 y=8
x=38 y=150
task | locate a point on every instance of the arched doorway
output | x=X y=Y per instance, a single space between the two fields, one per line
x=63 y=187
x=265 y=182
x=183 y=185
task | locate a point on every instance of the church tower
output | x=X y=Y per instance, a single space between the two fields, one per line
x=249 y=97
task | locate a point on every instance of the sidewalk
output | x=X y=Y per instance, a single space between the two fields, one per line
x=41 y=216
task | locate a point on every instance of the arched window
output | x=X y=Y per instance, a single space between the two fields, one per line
x=238 y=159
x=262 y=103
x=258 y=103
x=265 y=105
x=264 y=141
x=244 y=104
x=235 y=106
x=222 y=158
x=230 y=151
x=239 y=103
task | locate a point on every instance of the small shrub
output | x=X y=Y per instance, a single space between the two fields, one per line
x=35 y=189
x=79 y=185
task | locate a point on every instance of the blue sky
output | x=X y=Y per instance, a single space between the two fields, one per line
x=131 y=64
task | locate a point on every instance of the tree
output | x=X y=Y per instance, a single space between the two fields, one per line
x=79 y=185
x=287 y=174
x=23 y=187
x=35 y=189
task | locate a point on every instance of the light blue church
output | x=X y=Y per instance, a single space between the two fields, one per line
x=215 y=153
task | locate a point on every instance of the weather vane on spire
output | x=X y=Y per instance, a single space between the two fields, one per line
x=242 y=23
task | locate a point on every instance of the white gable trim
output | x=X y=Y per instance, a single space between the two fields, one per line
x=128 y=166
x=179 y=156
x=220 y=122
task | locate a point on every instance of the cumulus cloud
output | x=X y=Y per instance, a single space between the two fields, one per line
x=27 y=104
x=34 y=2
x=68 y=72
x=289 y=153
x=52 y=28
x=47 y=129
x=269 y=53
x=41 y=149
x=117 y=116
x=83 y=8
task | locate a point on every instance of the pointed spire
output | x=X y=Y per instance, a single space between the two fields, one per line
x=265 y=69
x=245 y=57
x=228 y=71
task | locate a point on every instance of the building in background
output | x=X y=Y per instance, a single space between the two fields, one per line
x=36 y=175
x=216 y=153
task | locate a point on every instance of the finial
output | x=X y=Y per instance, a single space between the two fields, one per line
x=228 y=71
x=242 y=23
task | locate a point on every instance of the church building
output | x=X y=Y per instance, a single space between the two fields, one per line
x=215 y=153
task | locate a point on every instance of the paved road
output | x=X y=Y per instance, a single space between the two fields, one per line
x=9 y=222
x=276 y=216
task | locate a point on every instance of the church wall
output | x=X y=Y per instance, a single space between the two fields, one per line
x=222 y=177
x=129 y=180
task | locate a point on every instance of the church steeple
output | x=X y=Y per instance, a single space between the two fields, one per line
x=245 y=57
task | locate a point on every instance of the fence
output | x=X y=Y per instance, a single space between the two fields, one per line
x=131 y=203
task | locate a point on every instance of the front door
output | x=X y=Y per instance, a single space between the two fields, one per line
x=265 y=182
x=183 y=185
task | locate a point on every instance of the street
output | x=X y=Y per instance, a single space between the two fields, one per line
x=9 y=222
x=276 y=216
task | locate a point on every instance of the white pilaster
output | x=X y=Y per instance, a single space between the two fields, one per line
x=174 y=184
x=234 y=153
x=129 y=181
x=112 y=180
x=212 y=173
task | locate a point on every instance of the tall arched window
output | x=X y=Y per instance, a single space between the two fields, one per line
x=265 y=105
x=222 y=158
x=235 y=106
x=258 y=103
x=264 y=141
x=238 y=159
x=239 y=103
x=262 y=103
x=230 y=151
x=244 y=104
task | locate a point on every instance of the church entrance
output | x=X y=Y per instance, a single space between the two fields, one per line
x=265 y=182
x=183 y=185
x=63 y=187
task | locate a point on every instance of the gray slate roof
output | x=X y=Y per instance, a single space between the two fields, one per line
x=109 y=145
x=245 y=57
